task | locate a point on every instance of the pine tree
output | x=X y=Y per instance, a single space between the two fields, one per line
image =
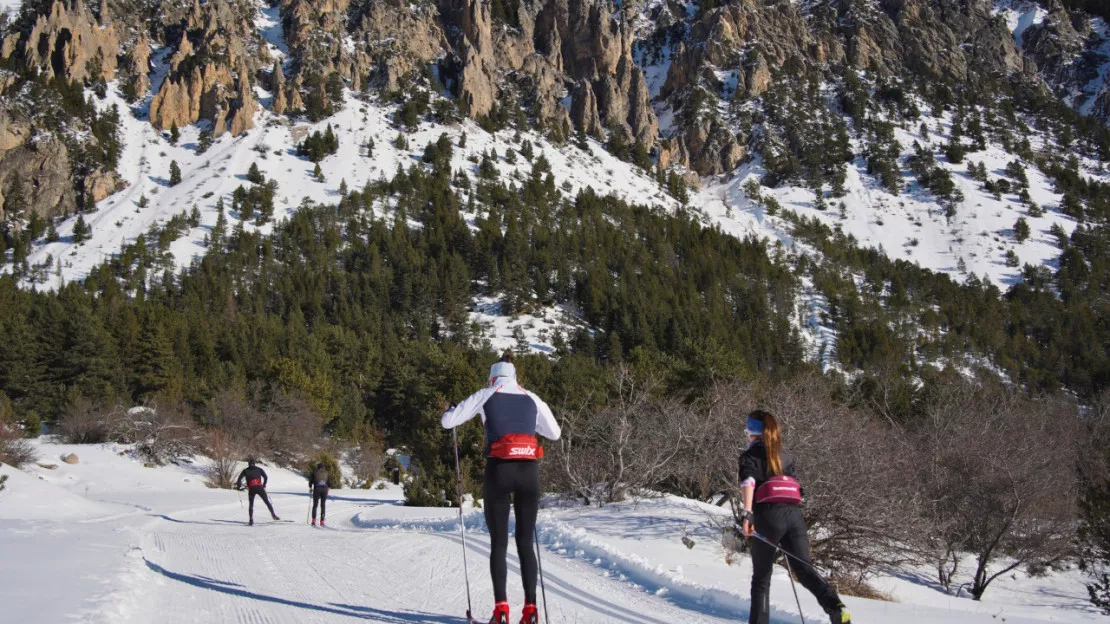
x=318 y=173
x=1021 y=230
x=220 y=230
x=15 y=200
x=194 y=217
x=81 y=230
x=175 y=134
x=51 y=233
x=175 y=173
x=153 y=365
x=143 y=201
x=204 y=141
x=370 y=147
x=254 y=175
x=343 y=187
x=580 y=139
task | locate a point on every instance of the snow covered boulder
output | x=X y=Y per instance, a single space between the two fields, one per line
x=70 y=458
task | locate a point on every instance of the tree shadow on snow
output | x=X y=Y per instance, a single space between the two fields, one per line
x=362 y=613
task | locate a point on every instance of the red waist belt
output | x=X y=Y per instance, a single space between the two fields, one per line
x=780 y=489
x=517 y=446
x=254 y=483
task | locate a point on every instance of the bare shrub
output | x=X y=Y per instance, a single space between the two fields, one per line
x=629 y=445
x=160 y=433
x=858 y=586
x=86 y=422
x=998 y=471
x=1094 y=474
x=219 y=445
x=283 y=431
x=715 y=439
x=368 y=461
x=14 y=450
x=861 y=503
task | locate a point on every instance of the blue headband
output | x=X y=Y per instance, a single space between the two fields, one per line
x=755 y=427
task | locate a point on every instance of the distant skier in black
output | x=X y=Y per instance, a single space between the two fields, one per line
x=772 y=511
x=256 y=486
x=512 y=417
x=318 y=487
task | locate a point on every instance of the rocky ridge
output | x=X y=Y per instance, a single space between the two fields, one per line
x=568 y=65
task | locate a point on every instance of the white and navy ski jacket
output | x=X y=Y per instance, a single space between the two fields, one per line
x=508 y=412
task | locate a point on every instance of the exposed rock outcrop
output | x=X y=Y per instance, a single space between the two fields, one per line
x=187 y=99
x=42 y=164
x=1055 y=44
x=68 y=40
x=245 y=106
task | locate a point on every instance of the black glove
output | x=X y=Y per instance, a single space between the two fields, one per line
x=746 y=514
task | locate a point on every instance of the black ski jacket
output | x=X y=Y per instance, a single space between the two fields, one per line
x=251 y=473
x=753 y=464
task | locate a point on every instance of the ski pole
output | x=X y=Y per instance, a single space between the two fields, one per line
x=793 y=586
x=462 y=524
x=539 y=564
x=789 y=555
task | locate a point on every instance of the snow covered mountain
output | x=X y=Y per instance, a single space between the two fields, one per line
x=843 y=110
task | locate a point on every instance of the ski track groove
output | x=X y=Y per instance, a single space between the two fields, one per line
x=215 y=570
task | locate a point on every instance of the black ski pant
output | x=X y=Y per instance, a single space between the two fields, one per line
x=516 y=484
x=320 y=496
x=261 y=492
x=783 y=525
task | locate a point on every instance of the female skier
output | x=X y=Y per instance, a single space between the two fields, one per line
x=512 y=417
x=772 y=512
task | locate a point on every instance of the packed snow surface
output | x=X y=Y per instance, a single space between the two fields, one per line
x=109 y=540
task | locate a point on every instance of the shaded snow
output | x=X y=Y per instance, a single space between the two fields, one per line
x=268 y=21
x=536 y=331
x=1020 y=15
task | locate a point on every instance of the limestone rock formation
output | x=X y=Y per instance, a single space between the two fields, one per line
x=246 y=106
x=67 y=41
x=189 y=98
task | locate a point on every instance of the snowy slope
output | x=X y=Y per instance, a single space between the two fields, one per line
x=911 y=226
x=11 y=7
x=216 y=173
x=172 y=551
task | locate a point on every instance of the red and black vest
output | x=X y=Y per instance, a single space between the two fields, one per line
x=511 y=427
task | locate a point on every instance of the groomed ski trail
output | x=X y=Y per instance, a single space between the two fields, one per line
x=208 y=566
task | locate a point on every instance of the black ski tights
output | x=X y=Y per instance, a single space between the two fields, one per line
x=521 y=480
x=320 y=496
x=785 y=526
x=261 y=492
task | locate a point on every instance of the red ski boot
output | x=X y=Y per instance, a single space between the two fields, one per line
x=321 y=523
x=529 y=615
x=314 y=522
x=500 y=613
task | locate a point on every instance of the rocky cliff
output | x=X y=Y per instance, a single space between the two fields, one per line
x=566 y=65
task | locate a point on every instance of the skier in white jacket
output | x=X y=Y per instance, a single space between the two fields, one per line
x=512 y=417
